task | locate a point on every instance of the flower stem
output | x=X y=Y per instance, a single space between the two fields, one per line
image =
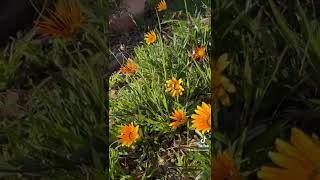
x=162 y=48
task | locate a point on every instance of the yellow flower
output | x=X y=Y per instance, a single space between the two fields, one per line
x=298 y=160
x=202 y=119
x=198 y=54
x=224 y=167
x=150 y=37
x=174 y=87
x=65 y=22
x=129 y=68
x=179 y=117
x=128 y=134
x=221 y=84
x=162 y=5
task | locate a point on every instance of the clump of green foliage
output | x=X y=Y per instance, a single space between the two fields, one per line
x=273 y=47
x=62 y=134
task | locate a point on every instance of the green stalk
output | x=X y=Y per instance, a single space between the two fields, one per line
x=162 y=48
x=186 y=8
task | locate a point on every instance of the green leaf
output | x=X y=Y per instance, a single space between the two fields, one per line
x=286 y=31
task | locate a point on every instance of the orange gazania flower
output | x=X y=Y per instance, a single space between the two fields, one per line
x=129 y=68
x=198 y=54
x=178 y=117
x=128 y=134
x=224 y=167
x=174 y=87
x=65 y=22
x=295 y=160
x=150 y=37
x=221 y=85
x=202 y=119
x=162 y=5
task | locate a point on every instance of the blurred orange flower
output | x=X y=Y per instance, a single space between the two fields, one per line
x=178 y=117
x=65 y=22
x=129 y=68
x=128 y=134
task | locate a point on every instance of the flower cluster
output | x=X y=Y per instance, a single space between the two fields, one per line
x=201 y=119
